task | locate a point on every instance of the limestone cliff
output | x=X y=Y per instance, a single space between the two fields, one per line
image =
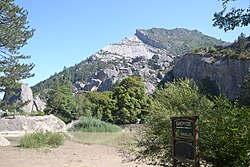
x=228 y=73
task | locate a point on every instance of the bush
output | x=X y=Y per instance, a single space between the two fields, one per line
x=42 y=139
x=225 y=134
x=224 y=130
x=94 y=125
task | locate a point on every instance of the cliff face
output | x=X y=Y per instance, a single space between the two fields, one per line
x=227 y=73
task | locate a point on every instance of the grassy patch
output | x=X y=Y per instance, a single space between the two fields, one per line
x=94 y=125
x=107 y=139
x=42 y=139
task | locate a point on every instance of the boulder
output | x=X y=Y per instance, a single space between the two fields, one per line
x=150 y=88
x=38 y=104
x=107 y=84
x=23 y=94
x=3 y=141
x=29 y=124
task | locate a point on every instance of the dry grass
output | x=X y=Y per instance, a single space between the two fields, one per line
x=108 y=139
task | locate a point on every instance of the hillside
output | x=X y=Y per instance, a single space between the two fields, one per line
x=149 y=53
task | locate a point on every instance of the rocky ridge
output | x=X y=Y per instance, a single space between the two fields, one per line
x=148 y=53
x=127 y=58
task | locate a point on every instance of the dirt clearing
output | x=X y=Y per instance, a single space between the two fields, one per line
x=71 y=154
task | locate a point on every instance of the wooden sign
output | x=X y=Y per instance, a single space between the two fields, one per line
x=185 y=140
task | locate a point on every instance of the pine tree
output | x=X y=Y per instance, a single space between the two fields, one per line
x=14 y=34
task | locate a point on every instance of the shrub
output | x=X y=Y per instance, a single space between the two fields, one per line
x=224 y=130
x=94 y=125
x=225 y=134
x=42 y=139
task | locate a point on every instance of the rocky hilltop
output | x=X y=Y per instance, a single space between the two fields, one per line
x=148 y=53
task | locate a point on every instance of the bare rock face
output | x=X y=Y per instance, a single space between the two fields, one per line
x=3 y=141
x=25 y=94
x=38 y=104
x=27 y=124
x=132 y=57
x=227 y=73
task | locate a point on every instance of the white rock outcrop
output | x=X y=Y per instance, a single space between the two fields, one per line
x=25 y=94
x=28 y=124
x=128 y=48
x=3 y=141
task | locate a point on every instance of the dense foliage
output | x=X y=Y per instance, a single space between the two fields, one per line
x=240 y=49
x=223 y=129
x=244 y=97
x=14 y=34
x=42 y=139
x=130 y=95
x=225 y=134
x=94 y=125
x=126 y=103
x=61 y=103
x=228 y=20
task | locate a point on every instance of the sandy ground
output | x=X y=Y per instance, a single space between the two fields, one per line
x=71 y=154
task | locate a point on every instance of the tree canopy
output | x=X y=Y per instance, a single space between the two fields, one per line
x=229 y=19
x=14 y=34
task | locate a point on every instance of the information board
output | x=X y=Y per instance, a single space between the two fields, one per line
x=185 y=139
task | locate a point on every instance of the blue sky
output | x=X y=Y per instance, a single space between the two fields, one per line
x=68 y=32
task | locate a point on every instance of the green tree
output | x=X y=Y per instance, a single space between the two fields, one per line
x=14 y=34
x=235 y=17
x=103 y=106
x=241 y=42
x=84 y=106
x=61 y=103
x=131 y=96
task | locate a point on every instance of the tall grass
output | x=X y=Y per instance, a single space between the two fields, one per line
x=94 y=125
x=42 y=139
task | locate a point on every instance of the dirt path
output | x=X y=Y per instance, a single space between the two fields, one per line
x=71 y=154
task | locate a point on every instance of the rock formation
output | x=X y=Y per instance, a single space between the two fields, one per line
x=131 y=57
x=226 y=72
x=25 y=94
x=148 y=53
x=27 y=124
x=3 y=141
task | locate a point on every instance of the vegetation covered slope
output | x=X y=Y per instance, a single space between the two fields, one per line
x=240 y=49
x=179 y=40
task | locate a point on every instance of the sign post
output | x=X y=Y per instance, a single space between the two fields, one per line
x=185 y=139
